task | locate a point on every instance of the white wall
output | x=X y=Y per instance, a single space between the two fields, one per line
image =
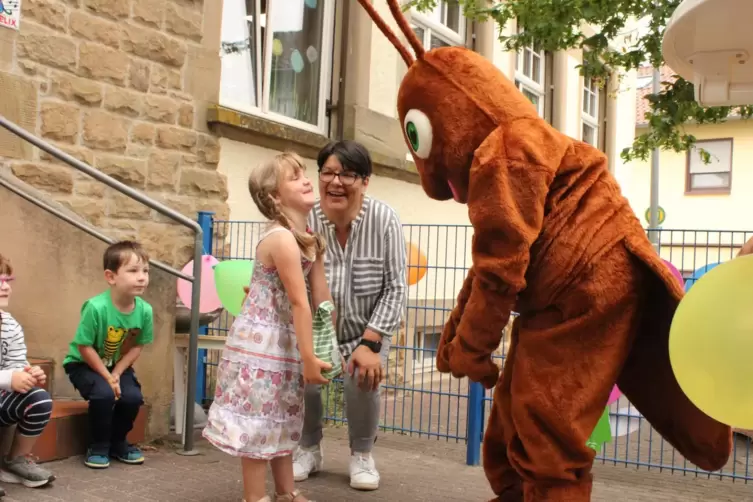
x=439 y=228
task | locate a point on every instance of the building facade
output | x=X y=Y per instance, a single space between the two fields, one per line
x=696 y=195
x=297 y=74
x=123 y=85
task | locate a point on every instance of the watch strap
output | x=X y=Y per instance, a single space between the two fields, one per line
x=372 y=345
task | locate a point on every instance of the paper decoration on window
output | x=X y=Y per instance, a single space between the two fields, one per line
x=296 y=61
x=312 y=54
x=311 y=4
x=276 y=47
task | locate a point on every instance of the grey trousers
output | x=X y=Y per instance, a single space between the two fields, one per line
x=361 y=410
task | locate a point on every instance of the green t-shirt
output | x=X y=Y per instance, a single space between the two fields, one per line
x=105 y=328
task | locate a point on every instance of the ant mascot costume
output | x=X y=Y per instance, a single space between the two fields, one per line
x=555 y=240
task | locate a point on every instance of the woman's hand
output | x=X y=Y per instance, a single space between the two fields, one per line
x=369 y=364
x=312 y=371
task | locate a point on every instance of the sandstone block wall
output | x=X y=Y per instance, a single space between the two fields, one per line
x=122 y=85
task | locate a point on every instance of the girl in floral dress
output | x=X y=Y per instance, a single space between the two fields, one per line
x=257 y=413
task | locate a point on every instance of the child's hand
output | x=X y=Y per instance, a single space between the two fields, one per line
x=22 y=382
x=312 y=371
x=37 y=373
x=115 y=385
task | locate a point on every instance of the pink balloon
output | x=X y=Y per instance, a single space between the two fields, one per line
x=209 y=301
x=614 y=395
x=675 y=272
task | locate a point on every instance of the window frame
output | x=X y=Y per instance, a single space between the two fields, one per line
x=543 y=90
x=588 y=118
x=440 y=30
x=262 y=80
x=597 y=122
x=689 y=190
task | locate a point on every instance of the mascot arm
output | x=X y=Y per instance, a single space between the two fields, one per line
x=448 y=333
x=506 y=201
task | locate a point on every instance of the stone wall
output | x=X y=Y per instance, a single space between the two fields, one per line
x=122 y=85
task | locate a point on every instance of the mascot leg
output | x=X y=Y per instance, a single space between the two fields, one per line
x=567 y=360
x=505 y=481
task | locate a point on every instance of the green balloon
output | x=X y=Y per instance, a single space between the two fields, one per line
x=230 y=277
x=602 y=433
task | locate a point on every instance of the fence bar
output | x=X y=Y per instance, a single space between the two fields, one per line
x=207 y=222
x=144 y=199
x=475 y=423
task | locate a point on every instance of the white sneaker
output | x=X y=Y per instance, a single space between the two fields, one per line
x=306 y=461
x=363 y=473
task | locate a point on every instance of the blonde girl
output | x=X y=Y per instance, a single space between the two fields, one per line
x=257 y=413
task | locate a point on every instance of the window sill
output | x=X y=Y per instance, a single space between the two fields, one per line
x=255 y=130
x=721 y=191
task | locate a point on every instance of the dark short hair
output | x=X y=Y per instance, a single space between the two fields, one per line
x=117 y=254
x=5 y=267
x=352 y=155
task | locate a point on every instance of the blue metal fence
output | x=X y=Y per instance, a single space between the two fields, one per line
x=419 y=401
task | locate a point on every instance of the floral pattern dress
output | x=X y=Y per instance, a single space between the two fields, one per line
x=258 y=403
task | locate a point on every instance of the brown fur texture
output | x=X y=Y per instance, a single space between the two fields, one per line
x=555 y=240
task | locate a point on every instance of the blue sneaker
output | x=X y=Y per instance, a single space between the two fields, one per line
x=129 y=454
x=96 y=460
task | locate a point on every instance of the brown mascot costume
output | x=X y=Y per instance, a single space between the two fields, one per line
x=554 y=239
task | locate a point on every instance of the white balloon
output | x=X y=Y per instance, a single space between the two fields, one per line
x=628 y=420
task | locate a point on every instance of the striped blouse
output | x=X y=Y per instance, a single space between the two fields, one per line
x=367 y=278
x=12 y=349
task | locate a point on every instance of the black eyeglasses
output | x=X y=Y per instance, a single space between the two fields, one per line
x=347 y=178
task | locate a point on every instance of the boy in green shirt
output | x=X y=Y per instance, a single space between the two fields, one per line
x=114 y=327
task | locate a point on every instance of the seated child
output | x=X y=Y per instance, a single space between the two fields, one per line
x=22 y=402
x=114 y=327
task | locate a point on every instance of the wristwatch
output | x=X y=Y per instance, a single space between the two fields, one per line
x=375 y=347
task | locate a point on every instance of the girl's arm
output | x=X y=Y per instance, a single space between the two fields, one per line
x=319 y=288
x=286 y=257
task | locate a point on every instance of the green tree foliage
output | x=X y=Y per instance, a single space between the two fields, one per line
x=555 y=25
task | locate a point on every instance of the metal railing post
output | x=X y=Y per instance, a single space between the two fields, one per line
x=475 y=423
x=206 y=221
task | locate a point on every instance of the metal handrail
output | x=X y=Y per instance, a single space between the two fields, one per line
x=193 y=344
x=84 y=227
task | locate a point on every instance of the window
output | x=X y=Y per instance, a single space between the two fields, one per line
x=276 y=59
x=530 y=75
x=444 y=26
x=714 y=177
x=425 y=352
x=590 y=115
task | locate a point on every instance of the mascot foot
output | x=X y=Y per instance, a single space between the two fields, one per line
x=557 y=492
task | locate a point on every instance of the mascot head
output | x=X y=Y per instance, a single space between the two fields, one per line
x=450 y=100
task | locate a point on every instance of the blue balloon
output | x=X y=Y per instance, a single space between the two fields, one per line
x=697 y=275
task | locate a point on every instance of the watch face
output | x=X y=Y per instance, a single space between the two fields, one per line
x=374 y=346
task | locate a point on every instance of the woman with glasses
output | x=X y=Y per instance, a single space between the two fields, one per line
x=365 y=264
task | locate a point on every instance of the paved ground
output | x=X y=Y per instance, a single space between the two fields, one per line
x=413 y=469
